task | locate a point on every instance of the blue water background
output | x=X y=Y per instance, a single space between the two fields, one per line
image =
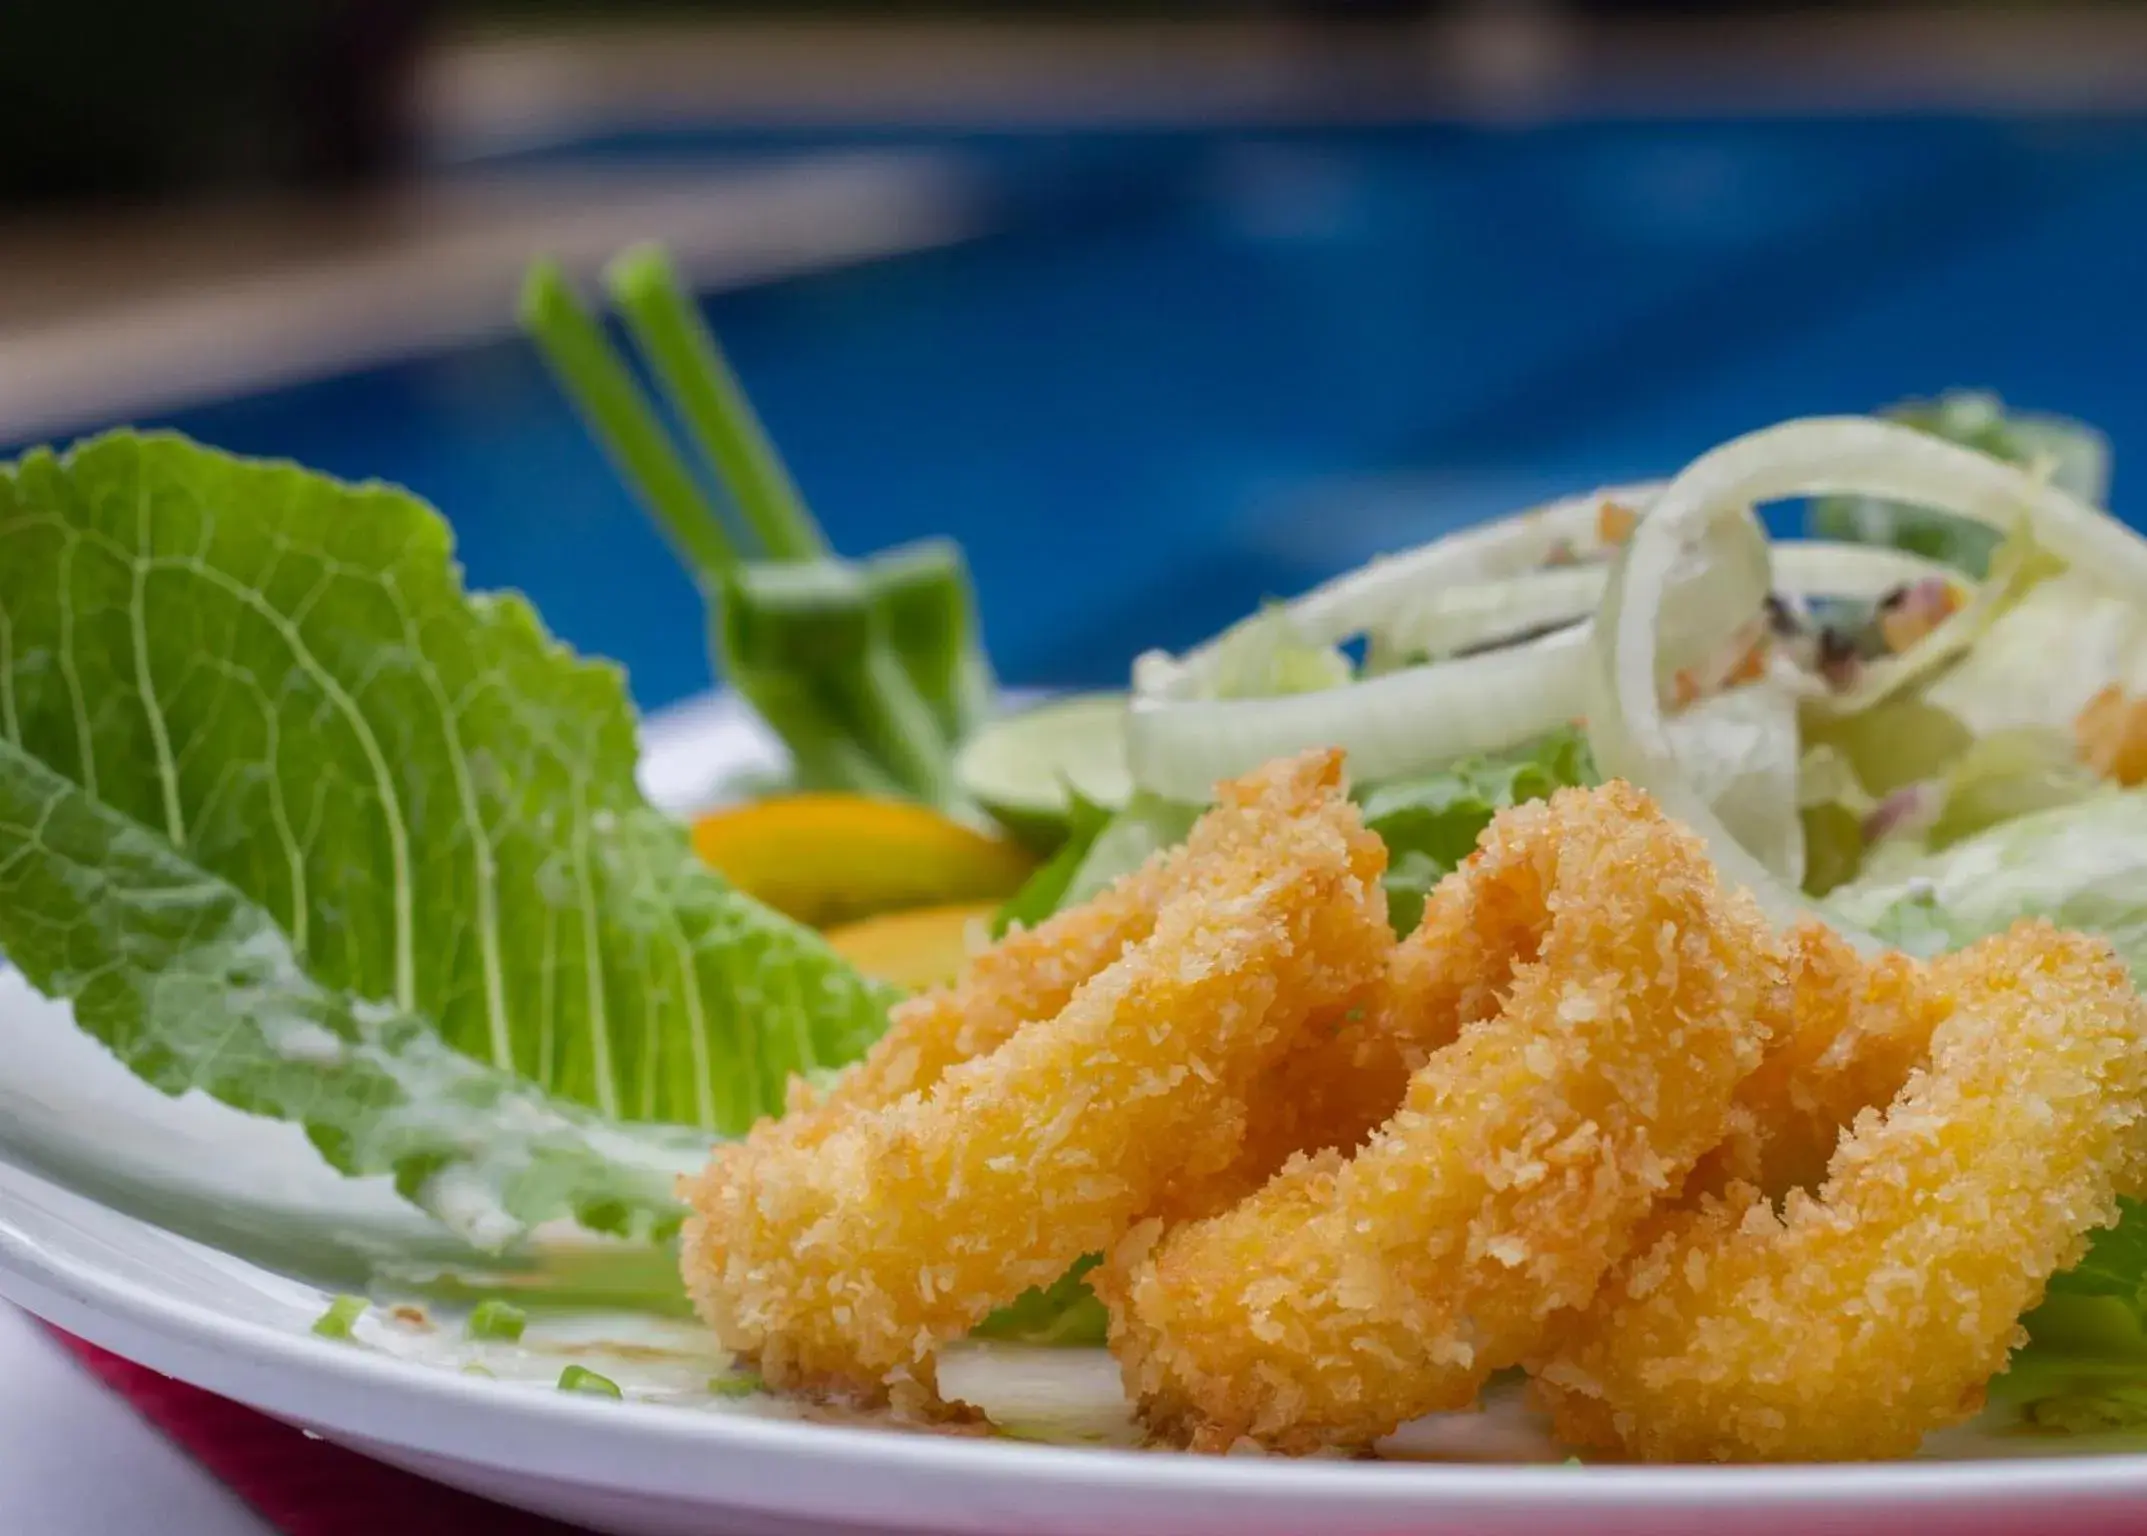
x=1180 y=371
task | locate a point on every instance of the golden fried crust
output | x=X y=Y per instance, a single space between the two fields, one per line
x=1028 y=975
x=1849 y=1324
x=903 y=1223
x=1847 y=1033
x=1615 y=991
x=1348 y=1075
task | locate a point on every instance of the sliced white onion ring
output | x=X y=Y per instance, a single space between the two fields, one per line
x=1453 y=620
x=1821 y=456
x=1389 y=725
x=1372 y=597
x=1181 y=741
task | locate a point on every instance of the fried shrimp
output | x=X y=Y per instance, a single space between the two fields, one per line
x=1348 y=1078
x=1846 y=1033
x=1029 y=974
x=845 y=1261
x=1854 y=1321
x=1608 y=994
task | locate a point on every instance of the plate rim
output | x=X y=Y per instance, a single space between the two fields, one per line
x=272 y=1368
x=102 y=1307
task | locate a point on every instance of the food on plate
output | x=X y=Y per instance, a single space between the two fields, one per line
x=1875 y=1308
x=871 y=671
x=1618 y=991
x=1030 y=974
x=846 y=1258
x=829 y=859
x=2112 y=734
x=917 y=948
x=1341 y=1097
x=1845 y=1034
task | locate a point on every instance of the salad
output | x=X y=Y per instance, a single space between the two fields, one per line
x=294 y=820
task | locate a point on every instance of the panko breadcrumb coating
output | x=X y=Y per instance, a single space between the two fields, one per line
x=1029 y=974
x=845 y=1261
x=1846 y=1035
x=1348 y=1077
x=1620 y=990
x=1852 y=1323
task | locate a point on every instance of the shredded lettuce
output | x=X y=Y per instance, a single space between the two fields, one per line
x=1430 y=824
x=2084 y=1370
x=1267 y=656
x=1739 y=751
x=1101 y=847
x=2082 y=865
x=291 y=817
x=1044 y=892
x=2005 y=776
x=2073 y=454
x=1064 y=1313
x=2046 y=656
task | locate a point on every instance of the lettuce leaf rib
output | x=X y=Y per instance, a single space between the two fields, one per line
x=434 y=799
x=193 y=986
x=292 y=818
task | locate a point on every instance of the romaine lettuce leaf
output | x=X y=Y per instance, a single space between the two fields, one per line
x=2046 y=655
x=1066 y=1312
x=2082 y=866
x=1100 y=847
x=282 y=678
x=194 y=987
x=1431 y=823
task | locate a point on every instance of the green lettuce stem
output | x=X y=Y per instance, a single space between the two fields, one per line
x=596 y=378
x=705 y=394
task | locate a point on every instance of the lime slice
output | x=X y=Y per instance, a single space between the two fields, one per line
x=1026 y=768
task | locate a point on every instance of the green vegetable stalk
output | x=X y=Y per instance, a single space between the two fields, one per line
x=579 y=1378
x=870 y=672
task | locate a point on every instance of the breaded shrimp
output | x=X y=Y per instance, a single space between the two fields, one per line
x=845 y=1262
x=1030 y=974
x=1623 y=989
x=1853 y=1322
x=1349 y=1075
x=1846 y=1035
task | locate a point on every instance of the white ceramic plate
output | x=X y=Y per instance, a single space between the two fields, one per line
x=639 y=1467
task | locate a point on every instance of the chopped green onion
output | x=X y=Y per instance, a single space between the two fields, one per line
x=814 y=622
x=705 y=394
x=576 y=1378
x=472 y=1368
x=342 y=1313
x=736 y=1384
x=497 y=1320
x=595 y=377
x=921 y=599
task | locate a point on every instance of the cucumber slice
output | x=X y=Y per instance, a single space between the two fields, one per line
x=1026 y=768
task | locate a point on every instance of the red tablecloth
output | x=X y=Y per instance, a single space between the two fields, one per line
x=301 y=1486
